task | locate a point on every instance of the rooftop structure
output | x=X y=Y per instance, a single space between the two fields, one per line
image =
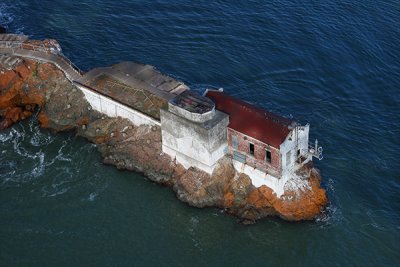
x=251 y=120
x=193 y=102
x=193 y=132
x=192 y=106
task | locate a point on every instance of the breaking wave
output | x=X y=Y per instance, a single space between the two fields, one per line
x=332 y=215
x=51 y=164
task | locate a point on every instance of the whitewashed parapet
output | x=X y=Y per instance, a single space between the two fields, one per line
x=112 y=108
x=192 y=116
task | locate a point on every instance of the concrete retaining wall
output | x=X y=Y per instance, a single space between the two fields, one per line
x=112 y=108
x=259 y=178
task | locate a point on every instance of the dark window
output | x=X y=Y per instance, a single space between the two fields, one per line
x=251 y=149
x=268 y=156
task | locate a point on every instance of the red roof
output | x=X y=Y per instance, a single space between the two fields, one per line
x=251 y=120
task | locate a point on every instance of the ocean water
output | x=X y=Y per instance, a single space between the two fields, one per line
x=334 y=64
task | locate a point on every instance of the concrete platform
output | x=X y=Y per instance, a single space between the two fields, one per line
x=138 y=77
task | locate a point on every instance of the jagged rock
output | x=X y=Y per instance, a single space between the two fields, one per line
x=2 y=30
x=33 y=84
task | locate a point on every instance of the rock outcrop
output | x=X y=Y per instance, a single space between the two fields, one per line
x=27 y=86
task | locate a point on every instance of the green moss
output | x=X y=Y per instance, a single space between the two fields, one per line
x=35 y=73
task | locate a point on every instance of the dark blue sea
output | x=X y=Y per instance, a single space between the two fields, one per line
x=334 y=64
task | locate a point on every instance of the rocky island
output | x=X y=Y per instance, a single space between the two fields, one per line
x=202 y=146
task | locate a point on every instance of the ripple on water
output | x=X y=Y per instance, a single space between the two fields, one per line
x=7 y=18
x=192 y=228
x=29 y=162
x=334 y=63
x=92 y=196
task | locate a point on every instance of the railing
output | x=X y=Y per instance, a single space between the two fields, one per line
x=72 y=65
x=254 y=163
x=40 y=48
x=28 y=46
x=239 y=156
x=9 y=44
x=315 y=150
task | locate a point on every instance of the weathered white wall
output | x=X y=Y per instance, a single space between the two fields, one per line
x=190 y=115
x=289 y=145
x=193 y=144
x=259 y=178
x=112 y=108
x=190 y=161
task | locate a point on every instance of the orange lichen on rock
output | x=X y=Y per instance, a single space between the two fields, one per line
x=262 y=197
x=6 y=78
x=28 y=86
x=302 y=204
x=229 y=199
x=24 y=70
x=46 y=71
x=43 y=120
x=101 y=139
x=10 y=87
x=83 y=121
x=12 y=115
x=47 y=45
x=19 y=93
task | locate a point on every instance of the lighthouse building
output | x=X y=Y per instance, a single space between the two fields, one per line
x=198 y=130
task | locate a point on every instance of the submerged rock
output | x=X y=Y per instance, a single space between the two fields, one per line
x=31 y=85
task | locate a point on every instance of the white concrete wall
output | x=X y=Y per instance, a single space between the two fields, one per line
x=193 y=144
x=190 y=115
x=259 y=178
x=112 y=108
x=288 y=147
x=188 y=162
x=191 y=151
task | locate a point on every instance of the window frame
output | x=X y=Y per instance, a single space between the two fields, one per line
x=268 y=159
x=254 y=149
x=234 y=141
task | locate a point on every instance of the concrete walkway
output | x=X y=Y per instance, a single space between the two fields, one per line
x=135 y=75
x=12 y=44
x=62 y=63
